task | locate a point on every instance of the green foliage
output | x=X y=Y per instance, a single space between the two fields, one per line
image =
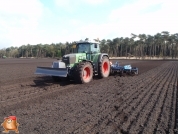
x=160 y=45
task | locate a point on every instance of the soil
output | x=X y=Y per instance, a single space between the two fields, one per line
x=145 y=103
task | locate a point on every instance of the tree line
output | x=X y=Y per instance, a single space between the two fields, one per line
x=160 y=45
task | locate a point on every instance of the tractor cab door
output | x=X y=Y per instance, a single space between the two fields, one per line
x=94 y=51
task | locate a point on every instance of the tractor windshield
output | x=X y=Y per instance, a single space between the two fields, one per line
x=84 y=48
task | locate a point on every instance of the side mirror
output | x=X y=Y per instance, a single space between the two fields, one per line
x=96 y=46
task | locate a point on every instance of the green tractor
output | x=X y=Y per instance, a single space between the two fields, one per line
x=81 y=66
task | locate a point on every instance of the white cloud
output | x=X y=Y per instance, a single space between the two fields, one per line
x=62 y=3
x=28 y=21
x=71 y=5
x=93 y=31
x=95 y=2
x=126 y=20
x=18 y=21
x=133 y=10
x=132 y=19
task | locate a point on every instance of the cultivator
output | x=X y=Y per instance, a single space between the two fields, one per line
x=123 y=70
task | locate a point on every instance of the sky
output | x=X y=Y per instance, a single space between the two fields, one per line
x=32 y=22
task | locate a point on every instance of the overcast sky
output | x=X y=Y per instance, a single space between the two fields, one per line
x=25 y=22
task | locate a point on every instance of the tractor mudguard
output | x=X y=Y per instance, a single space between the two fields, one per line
x=101 y=56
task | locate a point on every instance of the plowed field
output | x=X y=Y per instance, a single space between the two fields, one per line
x=146 y=103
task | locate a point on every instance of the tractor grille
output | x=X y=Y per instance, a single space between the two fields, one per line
x=69 y=59
x=66 y=60
x=73 y=59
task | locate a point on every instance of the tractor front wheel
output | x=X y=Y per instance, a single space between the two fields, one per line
x=104 y=67
x=84 y=72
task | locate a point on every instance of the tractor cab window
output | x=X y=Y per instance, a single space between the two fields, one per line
x=83 y=48
x=94 y=48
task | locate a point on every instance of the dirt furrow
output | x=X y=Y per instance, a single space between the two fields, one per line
x=90 y=104
x=30 y=93
x=124 y=103
x=103 y=106
x=165 y=120
x=148 y=105
x=157 y=109
x=113 y=106
x=135 y=105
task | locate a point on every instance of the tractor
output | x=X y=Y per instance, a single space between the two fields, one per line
x=81 y=66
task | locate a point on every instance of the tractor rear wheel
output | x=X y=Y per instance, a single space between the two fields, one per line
x=84 y=72
x=104 y=67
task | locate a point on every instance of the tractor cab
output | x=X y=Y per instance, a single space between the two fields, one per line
x=90 y=48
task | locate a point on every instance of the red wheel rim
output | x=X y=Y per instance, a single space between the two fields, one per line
x=86 y=73
x=105 y=67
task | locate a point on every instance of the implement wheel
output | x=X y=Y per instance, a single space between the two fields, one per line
x=84 y=72
x=104 y=67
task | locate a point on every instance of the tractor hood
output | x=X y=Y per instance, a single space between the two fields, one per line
x=73 y=58
x=70 y=55
x=75 y=54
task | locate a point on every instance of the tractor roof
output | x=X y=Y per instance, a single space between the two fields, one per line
x=89 y=41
